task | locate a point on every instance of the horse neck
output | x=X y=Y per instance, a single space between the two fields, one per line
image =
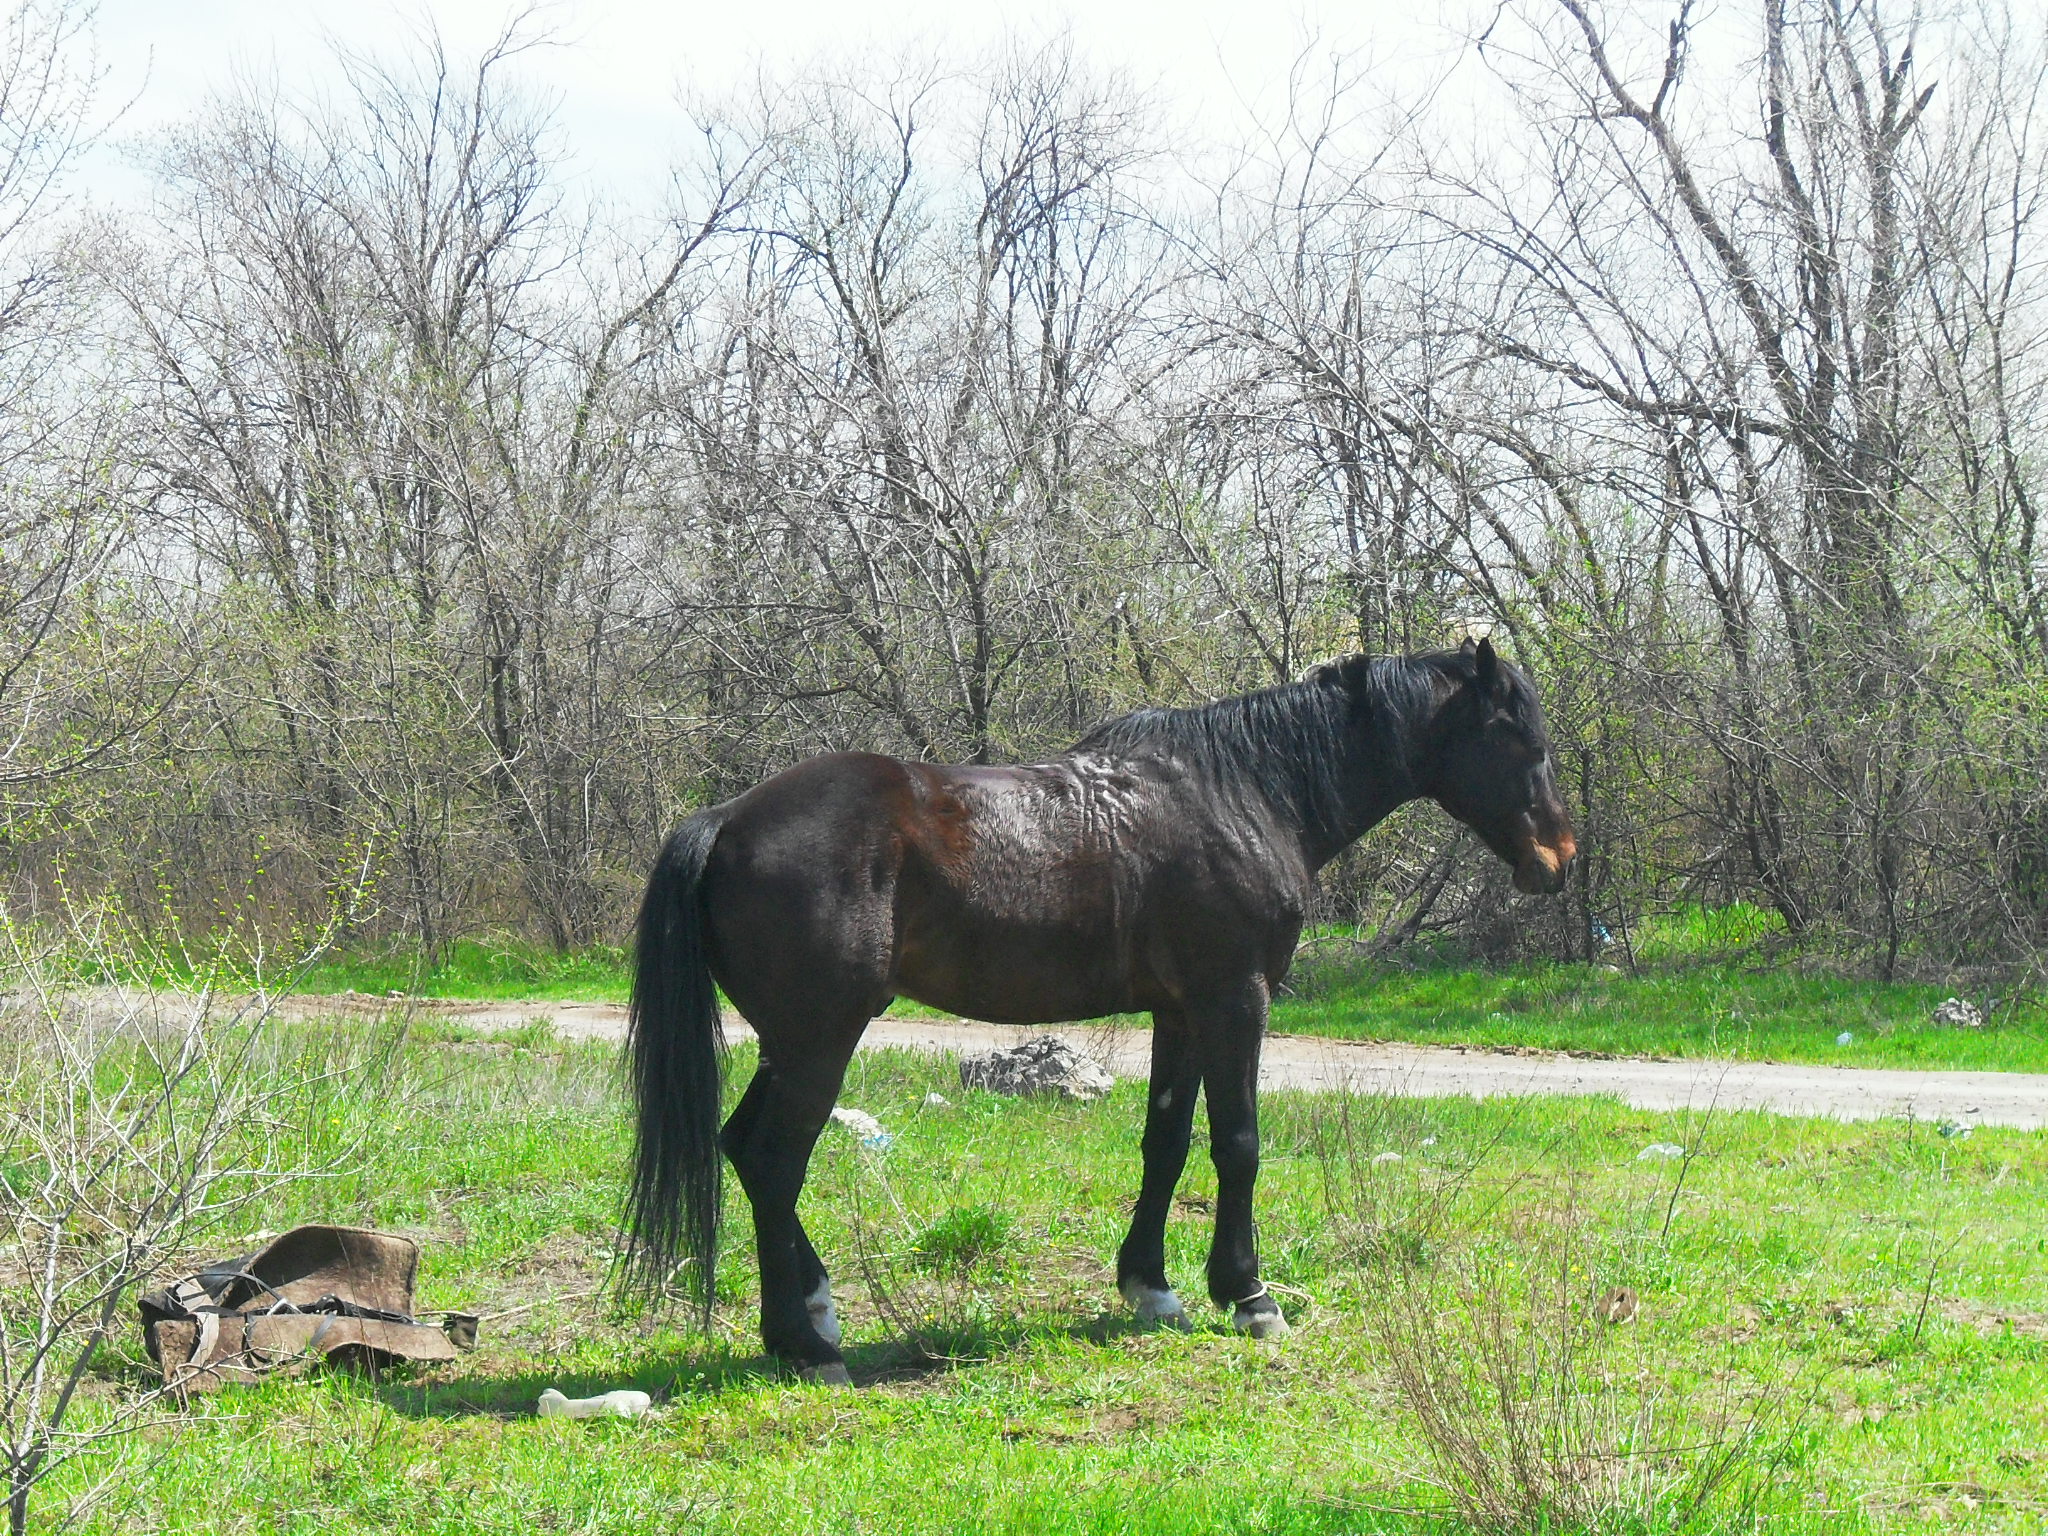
x=1377 y=768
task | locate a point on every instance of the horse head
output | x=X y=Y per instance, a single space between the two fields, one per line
x=1487 y=762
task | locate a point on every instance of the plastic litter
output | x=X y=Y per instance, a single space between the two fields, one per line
x=623 y=1404
x=1845 y=1038
x=1952 y=1130
x=1427 y=1141
x=1386 y=1157
x=865 y=1126
x=937 y=1101
x=1661 y=1149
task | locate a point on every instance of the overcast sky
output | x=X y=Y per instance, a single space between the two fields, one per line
x=620 y=63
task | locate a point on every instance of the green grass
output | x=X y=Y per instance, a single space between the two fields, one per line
x=470 y=968
x=475 y=969
x=1751 y=1012
x=1877 y=1288
x=1708 y=981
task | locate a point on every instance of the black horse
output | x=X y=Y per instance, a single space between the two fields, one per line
x=1162 y=864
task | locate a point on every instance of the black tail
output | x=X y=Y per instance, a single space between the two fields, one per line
x=678 y=1053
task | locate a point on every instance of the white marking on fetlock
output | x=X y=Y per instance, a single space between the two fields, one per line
x=1259 y=1322
x=1259 y=1325
x=1153 y=1305
x=824 y=1316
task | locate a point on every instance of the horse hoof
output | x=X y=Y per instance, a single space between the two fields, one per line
x=1259 y=1325
x=1155 y=1308
x=831 y=1374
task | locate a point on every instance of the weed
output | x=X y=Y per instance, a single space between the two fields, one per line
x=925 y=1277
x=1544 y=1408
x=967 y=1235
x=1395 y=1193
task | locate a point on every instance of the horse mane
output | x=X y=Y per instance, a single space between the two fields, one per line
x=1291 y=744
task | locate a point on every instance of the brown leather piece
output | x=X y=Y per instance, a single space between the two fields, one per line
x=277 y=1340
x=336 y=1293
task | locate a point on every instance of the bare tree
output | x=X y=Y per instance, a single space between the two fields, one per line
x=131 y=1129
x=944 y=411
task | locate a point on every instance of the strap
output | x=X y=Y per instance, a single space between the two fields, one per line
x=189 y=1294
x=209 y=1335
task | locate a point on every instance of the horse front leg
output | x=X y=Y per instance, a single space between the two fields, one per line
x=1230 y=1036
x=1169 y=1125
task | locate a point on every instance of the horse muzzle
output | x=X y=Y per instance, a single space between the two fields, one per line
x=1541 y=869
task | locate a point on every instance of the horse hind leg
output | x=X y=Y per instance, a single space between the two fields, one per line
x=817 y=1283
x=769 y=1140
x=800 y=917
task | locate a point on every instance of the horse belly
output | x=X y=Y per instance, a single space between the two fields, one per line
x=1015 y=967
x=1014 y=979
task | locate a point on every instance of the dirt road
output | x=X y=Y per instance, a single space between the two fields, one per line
x=1305 y=1062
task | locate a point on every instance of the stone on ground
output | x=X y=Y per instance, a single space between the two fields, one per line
x=1954 y=1013
x=1043 y=1064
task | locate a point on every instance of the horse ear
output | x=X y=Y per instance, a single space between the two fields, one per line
x=1485 y=666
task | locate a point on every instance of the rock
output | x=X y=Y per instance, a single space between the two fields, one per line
x=1043 y=1064
x=1954 y=1013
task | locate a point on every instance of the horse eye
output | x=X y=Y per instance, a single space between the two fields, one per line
x=1514 y=741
